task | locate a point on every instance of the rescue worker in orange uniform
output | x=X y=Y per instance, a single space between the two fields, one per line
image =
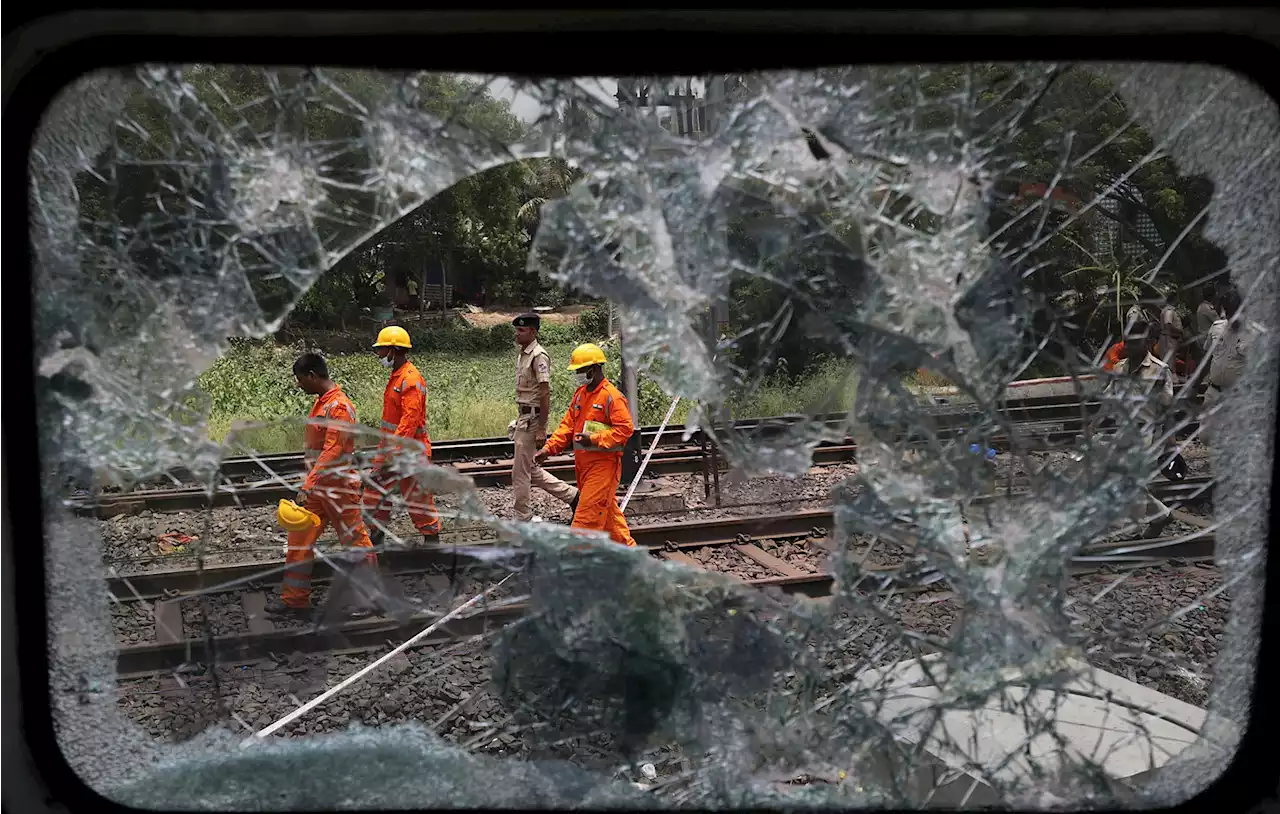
x=331 y=488
x=598 y=423
x=1113 y=356
x=404 y=415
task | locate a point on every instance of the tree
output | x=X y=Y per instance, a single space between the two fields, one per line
x=187 y=136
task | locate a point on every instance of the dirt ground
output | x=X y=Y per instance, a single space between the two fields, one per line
x=498 y=316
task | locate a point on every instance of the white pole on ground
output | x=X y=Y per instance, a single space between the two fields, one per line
x=354 y=677
x=639 y=472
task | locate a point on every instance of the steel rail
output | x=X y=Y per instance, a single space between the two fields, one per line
x=484 y=449
x=156 y=584
x=667 y=461
x=152 y=657
x=163 y=584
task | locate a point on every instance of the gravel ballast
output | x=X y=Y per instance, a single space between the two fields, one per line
x=1127 y=630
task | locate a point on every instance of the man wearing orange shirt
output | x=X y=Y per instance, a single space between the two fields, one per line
x=598 y=423
x=404 y=416
x=331 y=488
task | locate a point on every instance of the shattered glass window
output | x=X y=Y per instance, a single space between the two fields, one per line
x=991 y=554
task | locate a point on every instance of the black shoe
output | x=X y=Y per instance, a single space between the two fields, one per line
x=573 y=506
x=277 y=607
x=431 y=539
x=1156 y=527
x=376 y=537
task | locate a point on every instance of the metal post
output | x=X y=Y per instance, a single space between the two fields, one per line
x=422 y=286
x=631 y=389
x=715 y=470
x=706 y=469
x=444 y=285
x=711 y=327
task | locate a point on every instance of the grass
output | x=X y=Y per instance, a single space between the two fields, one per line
x=470 y=394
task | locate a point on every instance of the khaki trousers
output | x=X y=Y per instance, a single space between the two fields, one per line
x=1212 y=396
x=525 y=474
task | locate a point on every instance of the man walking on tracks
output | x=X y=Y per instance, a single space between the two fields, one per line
x=331 y=489
x=404 y=416
x=1157 y=381
x=598 y=423
x=529 y=430
x=1230 y=340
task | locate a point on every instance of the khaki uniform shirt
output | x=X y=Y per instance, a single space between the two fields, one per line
x=1156 y=392
x=1230 y=346
x=1169 y=322
x=533 y=367
x=1206 y=315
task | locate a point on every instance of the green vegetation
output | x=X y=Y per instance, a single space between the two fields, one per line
x=477 y=233
x=470 y=380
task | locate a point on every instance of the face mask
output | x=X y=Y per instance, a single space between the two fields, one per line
x=387 y=361
x=584 y=379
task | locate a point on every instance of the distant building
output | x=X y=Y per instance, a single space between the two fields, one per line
x=1114 y=240
x=1130 y=232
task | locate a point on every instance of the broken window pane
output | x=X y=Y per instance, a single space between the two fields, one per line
x=941 y=569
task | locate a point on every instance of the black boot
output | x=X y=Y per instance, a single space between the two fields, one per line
x=573 y=506
x=431 y=539
x=1155 y=527
x=376 y=537
x=277 y=607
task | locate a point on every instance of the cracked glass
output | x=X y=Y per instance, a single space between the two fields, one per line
x=954 y=568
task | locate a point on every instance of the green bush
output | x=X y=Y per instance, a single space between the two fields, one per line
x=470 y=388
x=454 y=339
x=556 y=333
x=502 y=336
x=593 y=323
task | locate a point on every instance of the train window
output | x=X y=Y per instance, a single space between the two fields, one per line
x=917 y=519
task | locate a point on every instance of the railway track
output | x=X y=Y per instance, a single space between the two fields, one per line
x=680 y=457
x=677 y=542
x=500 y=448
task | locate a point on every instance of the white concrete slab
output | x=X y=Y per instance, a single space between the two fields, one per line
x=1140 y=729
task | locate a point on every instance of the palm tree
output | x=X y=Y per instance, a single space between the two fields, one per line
x=546 y=179
x=1118 y=283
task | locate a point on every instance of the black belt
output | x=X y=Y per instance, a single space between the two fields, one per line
x=525 y=409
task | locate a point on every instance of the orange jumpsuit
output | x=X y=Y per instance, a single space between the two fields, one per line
x=404 y=415
x=599 y=466
x=333 y=483
x=1113 y=356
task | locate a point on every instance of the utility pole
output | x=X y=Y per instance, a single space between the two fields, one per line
x=631 y=93
x=630 y=389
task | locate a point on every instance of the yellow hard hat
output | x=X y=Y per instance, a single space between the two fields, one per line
x=393 y=336
x=586 y=355
x=293 y=517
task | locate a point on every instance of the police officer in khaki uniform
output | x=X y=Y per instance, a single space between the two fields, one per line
x=529 y=430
